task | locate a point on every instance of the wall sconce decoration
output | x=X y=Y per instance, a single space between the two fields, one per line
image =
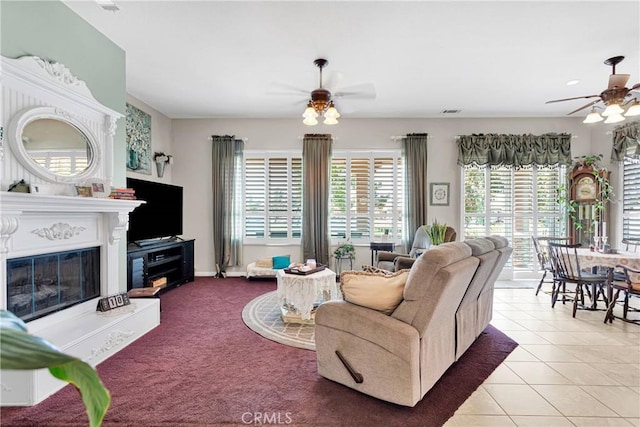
x=161 y=160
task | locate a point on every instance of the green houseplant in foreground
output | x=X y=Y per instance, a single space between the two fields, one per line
x=19 y=350
x=436 y=232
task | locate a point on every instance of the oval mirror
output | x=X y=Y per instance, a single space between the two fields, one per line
x=57 y=146
x=53 y=145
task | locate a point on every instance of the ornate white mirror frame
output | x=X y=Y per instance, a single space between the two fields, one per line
x=17 y=142
x=35 y=88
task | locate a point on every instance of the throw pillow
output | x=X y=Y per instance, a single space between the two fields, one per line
x=265 y=263
x=378 y=291
x=281 y=261
x=372 y=269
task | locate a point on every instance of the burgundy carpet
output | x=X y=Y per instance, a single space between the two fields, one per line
x=203 y=367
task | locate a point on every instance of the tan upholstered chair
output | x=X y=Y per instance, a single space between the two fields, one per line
x=399 y=357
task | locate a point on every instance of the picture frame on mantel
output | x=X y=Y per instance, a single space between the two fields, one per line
x=439 y=194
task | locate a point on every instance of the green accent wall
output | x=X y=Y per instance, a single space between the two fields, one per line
x=50 y=30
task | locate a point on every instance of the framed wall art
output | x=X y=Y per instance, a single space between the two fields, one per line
x=439 y=193
x=138 y=140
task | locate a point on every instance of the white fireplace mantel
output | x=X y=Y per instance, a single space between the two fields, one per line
x=51 y=221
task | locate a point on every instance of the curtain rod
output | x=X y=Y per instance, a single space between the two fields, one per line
x=243 y=139
x=395 y=138
x=333 y=138
x=572 y=136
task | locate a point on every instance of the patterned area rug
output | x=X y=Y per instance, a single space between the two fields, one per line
x=262 y=315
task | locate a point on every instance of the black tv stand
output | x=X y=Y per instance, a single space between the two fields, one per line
x=170 y=258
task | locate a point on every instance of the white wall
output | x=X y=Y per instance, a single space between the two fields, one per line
x=192 y=167
x=161 y=141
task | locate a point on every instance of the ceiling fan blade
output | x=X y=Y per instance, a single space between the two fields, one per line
x=618 y=80
x=361 y=91
x=583 y=107
x=569 y=99
x=279 y=88
x=635 y=86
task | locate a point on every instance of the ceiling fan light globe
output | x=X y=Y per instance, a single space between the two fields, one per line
x=613 y=109
x=614 y=118
x=310 y=121
x=330 y=121
x=634 y=110
x=332 y=113
x=310 y=112
x=593 y=117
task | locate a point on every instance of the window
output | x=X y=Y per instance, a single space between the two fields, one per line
x=61 y=162
x=367 y=192
x=631 y=196
x=516 y=204
x=272 y=196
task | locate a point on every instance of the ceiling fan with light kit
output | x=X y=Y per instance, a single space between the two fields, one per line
x=321 y=102
x=616 y=97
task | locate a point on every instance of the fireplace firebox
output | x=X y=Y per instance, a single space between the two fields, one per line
x=43 y=284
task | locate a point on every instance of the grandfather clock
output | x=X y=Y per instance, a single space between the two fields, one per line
x=584 y=188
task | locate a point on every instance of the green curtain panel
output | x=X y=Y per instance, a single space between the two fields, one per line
x=226 y=192
x=514 y=150
x=316 y=170
x=625 y=138
x=414 y=152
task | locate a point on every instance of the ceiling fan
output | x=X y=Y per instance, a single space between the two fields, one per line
x=320 y=101
x=615 y=97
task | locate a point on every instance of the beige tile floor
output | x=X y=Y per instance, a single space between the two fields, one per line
x=565 y=372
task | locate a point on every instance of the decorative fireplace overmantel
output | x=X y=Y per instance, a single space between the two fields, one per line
x=42 y=99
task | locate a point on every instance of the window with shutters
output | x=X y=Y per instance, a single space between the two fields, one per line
x=66 y=163
x=272 y=196
x=516 y=204
x=367 y=192
x=631 y=196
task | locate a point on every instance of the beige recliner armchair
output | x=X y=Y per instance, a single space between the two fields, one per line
x=399 y=357
x=393 y=261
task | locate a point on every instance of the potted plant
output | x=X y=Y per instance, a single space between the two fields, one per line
x=436 y=232
x=345 y=250
x=161 y=160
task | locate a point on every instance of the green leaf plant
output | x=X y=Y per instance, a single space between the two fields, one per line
x=436 y=232
x=20 y=350
x=345 y=250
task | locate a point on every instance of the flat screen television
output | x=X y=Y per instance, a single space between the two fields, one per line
x=161 y=215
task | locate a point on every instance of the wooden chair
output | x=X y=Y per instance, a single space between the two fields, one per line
x=631 y=244
x=541 y=246
x=566 y=265
x=629 y=288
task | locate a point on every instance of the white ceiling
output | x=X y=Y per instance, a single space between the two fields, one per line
x=190 y=59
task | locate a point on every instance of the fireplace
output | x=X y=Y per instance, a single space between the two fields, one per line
x=43 y=284
x=60 y=253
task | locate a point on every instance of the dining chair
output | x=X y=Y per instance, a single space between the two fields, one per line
x=566 y=265
x=629 y=287
x=541 y=246
x=631 y=244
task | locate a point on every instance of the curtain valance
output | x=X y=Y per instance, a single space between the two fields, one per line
x=625 y=138
x=514 y=150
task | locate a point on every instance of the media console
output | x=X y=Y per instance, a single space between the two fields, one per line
x=171 y=259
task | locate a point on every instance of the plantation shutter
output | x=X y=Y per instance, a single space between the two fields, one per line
x=338 y=198
x=359 y=200
x=255 y=187
x=631 y=198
